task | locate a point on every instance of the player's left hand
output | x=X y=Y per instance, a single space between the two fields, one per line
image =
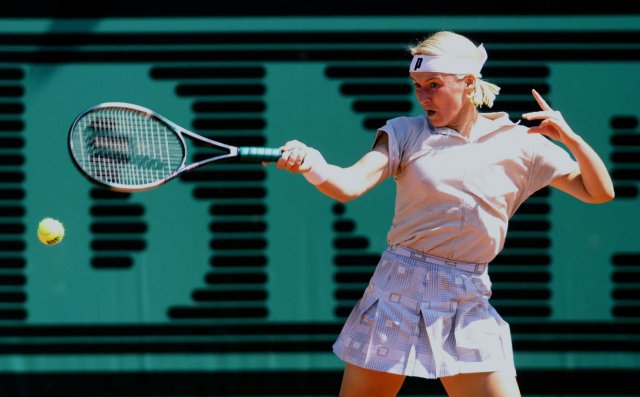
x=553 y=124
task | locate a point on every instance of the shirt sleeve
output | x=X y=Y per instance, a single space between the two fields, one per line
x=393 y=147
x=549 y=162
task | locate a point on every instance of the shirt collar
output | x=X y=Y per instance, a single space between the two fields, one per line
x=501 y=119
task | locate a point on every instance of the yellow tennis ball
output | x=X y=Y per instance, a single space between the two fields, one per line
x=50 y=231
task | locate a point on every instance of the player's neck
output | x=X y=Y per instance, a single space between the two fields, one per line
x=470 y=118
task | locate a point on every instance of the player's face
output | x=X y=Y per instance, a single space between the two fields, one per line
x=443 y=98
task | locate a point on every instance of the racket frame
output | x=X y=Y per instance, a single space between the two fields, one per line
x=178 y=130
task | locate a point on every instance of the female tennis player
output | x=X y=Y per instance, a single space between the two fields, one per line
x=460 y=176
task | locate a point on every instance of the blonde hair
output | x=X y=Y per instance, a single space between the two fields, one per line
x=456 y=45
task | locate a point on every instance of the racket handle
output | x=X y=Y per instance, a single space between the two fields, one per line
x=249 y=153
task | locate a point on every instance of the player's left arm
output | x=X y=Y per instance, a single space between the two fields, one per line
x=591 y=183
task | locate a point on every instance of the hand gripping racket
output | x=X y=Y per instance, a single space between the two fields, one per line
x=128 y=148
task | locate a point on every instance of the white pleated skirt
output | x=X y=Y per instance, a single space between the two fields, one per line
x=426 y=317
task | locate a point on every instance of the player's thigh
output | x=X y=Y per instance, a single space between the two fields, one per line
x=362 y=382
x=482 y=384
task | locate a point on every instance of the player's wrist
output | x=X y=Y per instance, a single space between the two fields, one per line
x=573 y=139
x=316 y=175
x=319 y=171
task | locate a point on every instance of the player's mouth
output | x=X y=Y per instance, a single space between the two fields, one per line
x=430 y=112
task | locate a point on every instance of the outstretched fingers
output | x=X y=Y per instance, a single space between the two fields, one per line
x=546 y=112
x=543 y=104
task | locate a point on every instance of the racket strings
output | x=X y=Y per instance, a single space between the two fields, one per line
x=126 y=147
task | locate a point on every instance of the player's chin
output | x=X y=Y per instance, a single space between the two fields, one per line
x=435 y=119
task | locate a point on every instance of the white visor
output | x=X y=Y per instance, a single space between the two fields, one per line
x=449 y=64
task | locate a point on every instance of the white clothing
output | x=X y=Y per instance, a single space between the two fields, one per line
x=455 y=195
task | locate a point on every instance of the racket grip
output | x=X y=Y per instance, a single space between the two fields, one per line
x=257 y=154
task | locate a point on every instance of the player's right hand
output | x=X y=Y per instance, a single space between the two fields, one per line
x=295 y=157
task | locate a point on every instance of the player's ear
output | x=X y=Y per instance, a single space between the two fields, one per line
x=470 y=80
x=469 y=83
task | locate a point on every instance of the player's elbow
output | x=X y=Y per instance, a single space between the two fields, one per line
x=344 y=190
x=610 y=196
x=345 y=199
x=602 y=198
x=344 y=196
x=605 y=198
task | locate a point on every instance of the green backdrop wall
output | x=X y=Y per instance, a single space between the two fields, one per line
x=235 y=279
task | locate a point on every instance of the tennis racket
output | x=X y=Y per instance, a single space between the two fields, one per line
x=128 y=148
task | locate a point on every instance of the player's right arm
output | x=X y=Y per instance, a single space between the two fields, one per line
x=342 y=184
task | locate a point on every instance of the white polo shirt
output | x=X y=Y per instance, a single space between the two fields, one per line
x=455 y=196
